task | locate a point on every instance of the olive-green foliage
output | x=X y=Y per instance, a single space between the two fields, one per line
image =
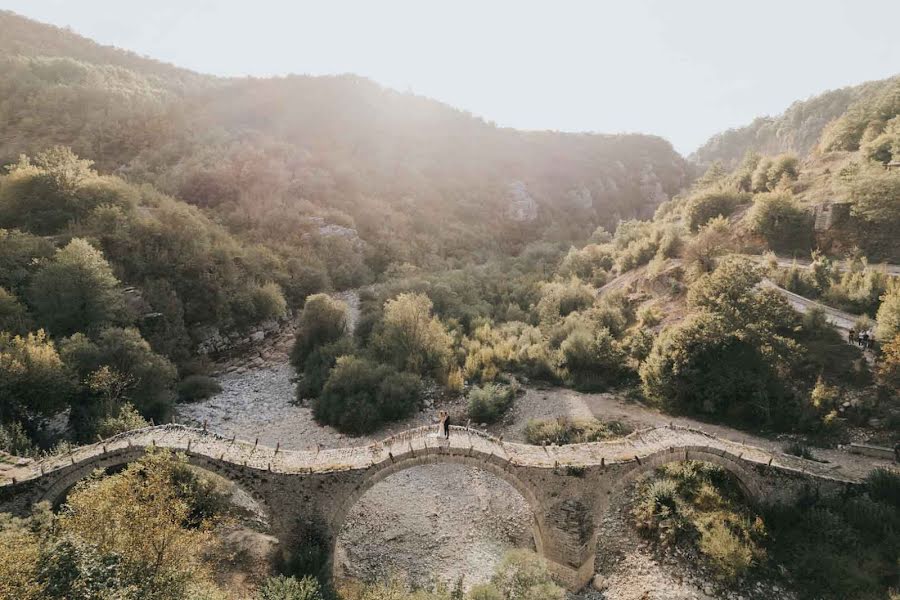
x=57 y=189
x=21 y=255
x=13 y=315
x=777 y=218
x=290 y=588
x=522 y=575
x=884 y=146
x=142 y=533
x=151 y=377
x=411 y=339
x=34 y=381
x=514 y=347
x=15 y=440
x=197 y=387
x=772 y=173
x=841 y=547
x=888 y=316
x=726 y=359
x=77 y=291
x=697 y=503
x=360 y=395
x=868 y=114
x=592 y=359
x=561 y=298
x=591 y=263
x=875 y=193
x=126 y=418
x=710 y=204
x=713 y=240
x=318 y=365
x=859 y=289
x=563 y=431
x=486 y=404
x=323 y=321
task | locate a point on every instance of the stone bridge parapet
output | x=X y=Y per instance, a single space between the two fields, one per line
x=567 y=487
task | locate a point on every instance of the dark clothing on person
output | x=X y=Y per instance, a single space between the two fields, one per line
x=851 y=336
x=447 y=427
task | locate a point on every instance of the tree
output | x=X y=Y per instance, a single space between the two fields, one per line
x=592 y=360
x=323 y=321
x=21 y=254
x=141 y=376
x=702 y=366
x=708 y=205
x=889 y=367
x=360 y=395
x=77 y=291
x=411 y=339
x=875 y=193
x=888 y=316
x=711 y=242
x=34 y=382
x=46 y=194
x=784 y=225
x=13 y=316
x=147 y=517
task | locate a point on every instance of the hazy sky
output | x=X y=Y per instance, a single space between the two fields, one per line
x=682 y=69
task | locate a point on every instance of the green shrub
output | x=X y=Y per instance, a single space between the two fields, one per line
x=697 y=503
x=77 y=291
x=197 y=387
x=317 y=367
x=126 y=419
x=13 y=315
x=268 y=303
x=34 y=381
x=708 y=205
x=488 y=403
x=524 y=575
x=563 y=431
x=290 y=588
x=785 y=226
x=411 y=339
x=883 y=485
x=14 y=439
x=799 y=449
x=361 y=394
x=888 y=316
x=151 y=377
x=322 y=321
x=592 y=361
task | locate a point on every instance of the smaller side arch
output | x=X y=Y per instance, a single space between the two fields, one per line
x=69 y=476
x=747 y=480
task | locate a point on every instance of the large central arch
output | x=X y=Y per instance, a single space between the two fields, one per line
x=437 y=456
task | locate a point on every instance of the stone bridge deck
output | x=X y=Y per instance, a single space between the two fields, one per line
x=567 y=487
x=634 y=447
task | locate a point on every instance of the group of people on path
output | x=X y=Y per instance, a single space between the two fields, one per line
x=864 y=339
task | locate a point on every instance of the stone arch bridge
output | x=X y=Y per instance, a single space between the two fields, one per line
x=567 y=487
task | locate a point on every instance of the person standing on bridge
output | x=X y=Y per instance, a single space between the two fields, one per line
x=443 y=424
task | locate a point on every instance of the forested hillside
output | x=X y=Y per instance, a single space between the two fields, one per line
x=839 y=119
x=144 y=208
x=266 y=155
